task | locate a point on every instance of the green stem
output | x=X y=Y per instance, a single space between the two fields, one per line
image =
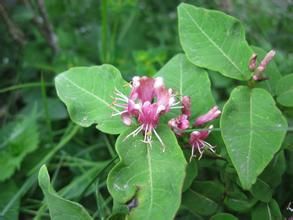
x=23 y=86
x=104 y=31
x=109 y=146
x=45 y=104
x=61 y=144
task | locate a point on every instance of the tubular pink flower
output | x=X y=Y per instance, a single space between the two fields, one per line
x=148 y=100
x=209 y=116
x=186 y=102
x=197 y=141
x=179 y=124
x=258 y=74
x=252 y=62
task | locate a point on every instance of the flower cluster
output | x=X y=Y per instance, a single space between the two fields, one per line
x=196 y=138
x=148 y=100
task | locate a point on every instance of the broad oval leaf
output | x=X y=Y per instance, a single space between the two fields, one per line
x=253 y=129
x=214 y=40
x=269 y=211
x=278 y=167
x=239 y=204
x=60 y=208
x=198 y=203
x=189 y=80
x=223 y=216
x=146 y=178
x=262 y=191
x=285 y=91
x=88 y=95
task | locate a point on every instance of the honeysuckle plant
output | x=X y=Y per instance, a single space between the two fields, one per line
x=164 y=122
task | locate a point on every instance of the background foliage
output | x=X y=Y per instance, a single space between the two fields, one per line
x=138 y=37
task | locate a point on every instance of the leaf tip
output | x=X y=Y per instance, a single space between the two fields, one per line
x=43 y=177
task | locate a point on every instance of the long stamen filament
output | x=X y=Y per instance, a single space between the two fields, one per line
x=160 y=140
x=176 y=107
x=134 y=133
x=120 y=105
x=121 y=94
x=119 y=113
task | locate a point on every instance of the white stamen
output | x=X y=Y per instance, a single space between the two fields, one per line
x=134 y=133
x=120 y=99
x=192 y=153
x=145 y=133
x=199 y=150
x=176 y=103
x=119 y=113
x=120 y=105
x=176 y=107
x=138 y=130
x=160 y=140
x=120 y=94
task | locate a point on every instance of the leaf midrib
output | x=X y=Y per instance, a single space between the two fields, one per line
x=89 y=93
x=213 y=42
x=250 y=136
x=151 y=180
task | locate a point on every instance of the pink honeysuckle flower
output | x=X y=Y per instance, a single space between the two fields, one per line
x=196 y=138
x=252 y=62
x=179 y=124
x=148 y=100
x=197 y=141
x=209 y=116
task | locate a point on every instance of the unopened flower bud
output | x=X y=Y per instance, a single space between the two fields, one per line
x=258 y=74
x=209 y=116
x=252 y=62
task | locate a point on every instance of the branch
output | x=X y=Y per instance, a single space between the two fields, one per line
x=13 y=29
x=41 y=20
x=47 y=27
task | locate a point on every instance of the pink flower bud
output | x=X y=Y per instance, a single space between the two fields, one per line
x=252 y=62
x=258 y=74
x=209 y=116
x=186 y=102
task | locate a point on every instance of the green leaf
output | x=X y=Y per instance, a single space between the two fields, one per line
x=88 y=93
x=211 y=189
x=277 y=166
x=17 y=139
x=223 y=216
x=272 y=72
x=198 y=203
x=253 y=129
x=188 y=80
x=239 y=204
x=285 y=91
x=147 y=177
x=191 y=171
x=269 y=211
x=214 y=40
x=10 y=189
x=59 y=208
x=262 y=191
